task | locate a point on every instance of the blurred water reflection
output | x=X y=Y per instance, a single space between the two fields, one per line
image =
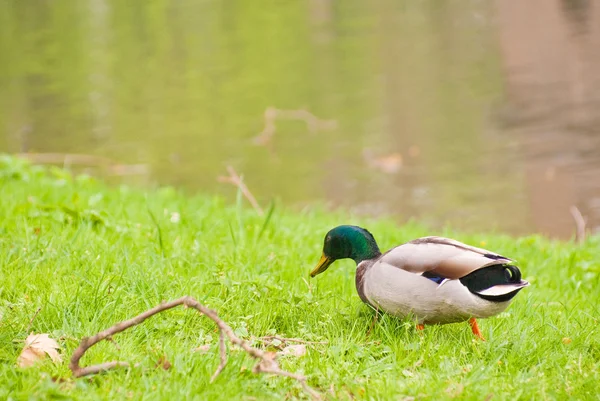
x=481 y=114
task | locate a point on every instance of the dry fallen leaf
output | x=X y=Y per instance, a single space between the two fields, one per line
x=297 y=350
x=163 y=363
x=35 y=349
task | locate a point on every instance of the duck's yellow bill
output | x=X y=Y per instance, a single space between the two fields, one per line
x=323 y=264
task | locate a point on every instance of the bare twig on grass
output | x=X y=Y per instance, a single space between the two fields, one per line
x=266 y=364
x=222 y=355
x=236 y=180
x=290 y=340
x=313 y=123
x=580 y=224
x=32 y=319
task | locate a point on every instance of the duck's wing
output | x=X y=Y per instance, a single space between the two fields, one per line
x=441 y=257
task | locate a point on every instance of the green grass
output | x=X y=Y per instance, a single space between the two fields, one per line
x=91 y=255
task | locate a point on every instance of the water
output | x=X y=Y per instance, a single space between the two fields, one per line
x=479 y=114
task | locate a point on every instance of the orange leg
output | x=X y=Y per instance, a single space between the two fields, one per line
x=475 y=329
x=420 y=327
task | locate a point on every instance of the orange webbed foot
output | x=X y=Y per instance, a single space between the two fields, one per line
x=475 y=329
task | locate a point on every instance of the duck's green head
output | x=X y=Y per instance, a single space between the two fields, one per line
x=344 y=242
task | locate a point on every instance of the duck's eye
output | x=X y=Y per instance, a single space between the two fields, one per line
x=508 y=273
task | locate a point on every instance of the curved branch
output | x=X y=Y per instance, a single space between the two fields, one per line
x=266 y=364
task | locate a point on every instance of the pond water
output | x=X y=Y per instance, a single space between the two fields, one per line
x=479 y=114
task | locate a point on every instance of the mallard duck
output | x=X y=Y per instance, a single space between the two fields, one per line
x=435 y=279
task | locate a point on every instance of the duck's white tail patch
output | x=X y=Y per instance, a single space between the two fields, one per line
x=503 y=289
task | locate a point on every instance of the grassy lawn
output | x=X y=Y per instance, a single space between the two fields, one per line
x=90 y=255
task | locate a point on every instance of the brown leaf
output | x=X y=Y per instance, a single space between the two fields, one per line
x=296 y=350
x=163 y=362
x=37 y=346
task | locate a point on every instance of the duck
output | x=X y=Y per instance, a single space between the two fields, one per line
x=434 y=280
